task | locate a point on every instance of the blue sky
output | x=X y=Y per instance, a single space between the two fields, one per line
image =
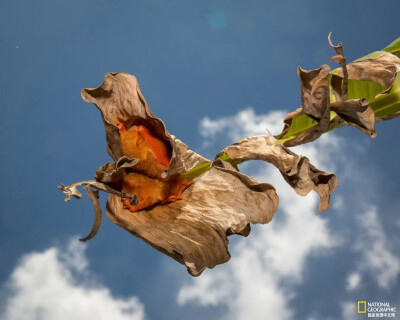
x=228 y=63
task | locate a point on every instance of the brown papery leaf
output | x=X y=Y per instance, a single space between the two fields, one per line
x=340 y=59
x=186 y=206
x=296 y=170
x=356 y=113
x=70 y=191
x=120 y=100
x=315 y=104
x=314 y=91
x=380 y=70
x=194 y=230
x=94 y=196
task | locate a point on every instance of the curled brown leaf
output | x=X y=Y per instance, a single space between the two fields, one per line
x=381 y=70
x=296 y=170
x=194 y=230
x=315 y=104
x=119 y=99
x=340 y=59
x=357 y=113
x=219 y=201
x=314 y=91
x=94 y=196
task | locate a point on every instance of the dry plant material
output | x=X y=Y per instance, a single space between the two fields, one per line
x=194 y=230
x=296 y=170
x=340 y=59
x=324 y=97
x=186 y=206
x=315 y=104
x=174 y=199
x=382 y=70
x=155 y=189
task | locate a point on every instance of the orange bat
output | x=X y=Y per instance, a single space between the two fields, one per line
x=147 y=180
x=138 y=142
x=151 y=191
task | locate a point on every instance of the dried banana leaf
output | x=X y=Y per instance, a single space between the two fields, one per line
x=296 y=170
x=194 y=230
x=371 y=80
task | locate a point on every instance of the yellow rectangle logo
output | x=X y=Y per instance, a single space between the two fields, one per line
x=362 y=306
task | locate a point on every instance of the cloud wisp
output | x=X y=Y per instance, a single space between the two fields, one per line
x=353 y=281
x=378 y=258
x=54 y=284
x=265 y=268
x=245 y=123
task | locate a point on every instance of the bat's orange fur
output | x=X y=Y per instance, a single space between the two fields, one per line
x=146 y=181
x=138 y=142
x=150 y=191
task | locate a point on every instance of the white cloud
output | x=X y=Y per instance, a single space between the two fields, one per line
x=210 y=284
x=50 y=285
x=247 y=123
x=378 y=258
x=259 y=280
x=250 y=285
x=245 y=286
x=349 y=310
x=353 y=281
x=243 y=124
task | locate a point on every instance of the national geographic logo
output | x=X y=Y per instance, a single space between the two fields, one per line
x=376 y=309
x=362 y=306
